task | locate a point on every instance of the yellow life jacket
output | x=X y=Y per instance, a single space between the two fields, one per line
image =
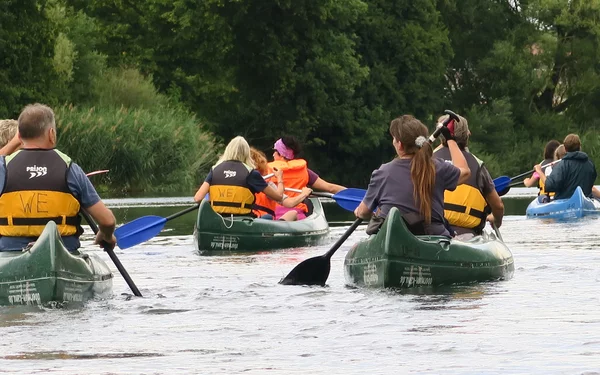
x=36 y=192
x=465 y=207
x=540 y=183
x=229 y=192
x=295 y=175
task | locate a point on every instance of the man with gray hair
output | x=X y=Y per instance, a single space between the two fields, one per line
x=469 y=206
x=39 y=184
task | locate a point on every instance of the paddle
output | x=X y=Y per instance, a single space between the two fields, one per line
x=348 y=199
x=109 y=250
x=97 y=172
x=503 y=184
x=144 y=228
x=497 y=232
x=315 y=270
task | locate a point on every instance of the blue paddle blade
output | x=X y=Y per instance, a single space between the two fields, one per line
x=139 y=230
x=501 y=183
x=349 y=198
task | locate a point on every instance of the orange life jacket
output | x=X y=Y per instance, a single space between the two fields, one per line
x=262 y=204
x=295 y=175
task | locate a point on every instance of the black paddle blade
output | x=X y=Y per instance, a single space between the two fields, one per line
x=313 y=271
x=504 y=191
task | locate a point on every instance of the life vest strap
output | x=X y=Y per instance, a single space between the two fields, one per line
x=71 y=220
x=462 y=209
x=263 y=208
x=228 y=204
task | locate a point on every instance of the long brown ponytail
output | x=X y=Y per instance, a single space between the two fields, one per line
x=407 y=129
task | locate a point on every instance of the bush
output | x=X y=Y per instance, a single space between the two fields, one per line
x=127 y=87
x=163 y=149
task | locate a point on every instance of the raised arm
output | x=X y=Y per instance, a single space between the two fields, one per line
x=459 y=161
x=13 y=145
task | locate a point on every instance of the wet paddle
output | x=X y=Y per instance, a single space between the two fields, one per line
x=109 y=250
x=315 y=271
x=144 y=228
x=348 y=199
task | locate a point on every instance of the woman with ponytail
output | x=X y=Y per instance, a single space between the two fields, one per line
x=414 y=181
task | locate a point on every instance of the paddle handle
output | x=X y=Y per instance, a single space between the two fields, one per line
x=315 y=193
x=497 y=232
x=452 y=117
x=533 y=170
x=113 y=256
x=343 y=239
x=180 y=213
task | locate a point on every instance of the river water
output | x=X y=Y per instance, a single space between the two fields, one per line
x=228 y=315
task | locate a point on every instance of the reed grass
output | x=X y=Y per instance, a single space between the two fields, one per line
x=160 y=149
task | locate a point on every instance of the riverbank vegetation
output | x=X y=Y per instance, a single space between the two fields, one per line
x=334 y=73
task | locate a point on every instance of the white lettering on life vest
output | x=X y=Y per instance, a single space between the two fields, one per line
x=229 y=173
x=36 y=171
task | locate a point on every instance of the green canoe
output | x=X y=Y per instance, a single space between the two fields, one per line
x=217 y=234
x=47 y=272
x=396 y=258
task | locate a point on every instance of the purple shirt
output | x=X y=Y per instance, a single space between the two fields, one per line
x=312 y=177
x=391 y=186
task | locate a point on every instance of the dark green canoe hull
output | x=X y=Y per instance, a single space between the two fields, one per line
x=396 y=258
x=214 y=234
x=47 y=272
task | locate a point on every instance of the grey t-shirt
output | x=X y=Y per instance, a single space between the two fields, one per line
x=485 y=181
x=392 y=186
x=82 y=189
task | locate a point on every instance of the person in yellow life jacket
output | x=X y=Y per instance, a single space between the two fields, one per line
x=233 y=182
x=264 y=207
x=468 y=207
x=535 y=180
x=297 y=175
x=39 y=184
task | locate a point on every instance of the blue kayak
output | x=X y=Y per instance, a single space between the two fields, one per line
x=573 y=208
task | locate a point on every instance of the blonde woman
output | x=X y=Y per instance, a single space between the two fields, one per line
x=9 y=137
x=233 y=181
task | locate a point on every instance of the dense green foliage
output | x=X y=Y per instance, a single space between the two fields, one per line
x=334 y=73
x=26 y=50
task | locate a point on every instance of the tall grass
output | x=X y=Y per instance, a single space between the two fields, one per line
x=148 y=141
x=150 y=150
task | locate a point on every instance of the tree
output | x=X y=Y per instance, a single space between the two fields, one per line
x=26 y=47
